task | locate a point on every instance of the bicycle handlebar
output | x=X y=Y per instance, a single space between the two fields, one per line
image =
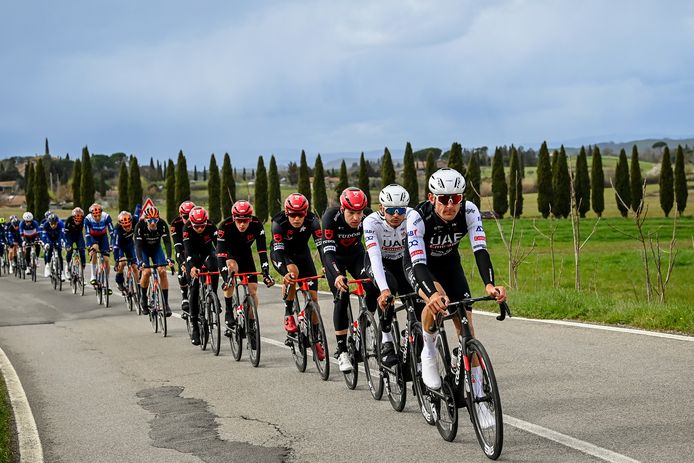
x=504 y=309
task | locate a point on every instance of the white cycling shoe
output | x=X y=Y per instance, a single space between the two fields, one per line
x=344 y=363
x=430 y=373
x=46 y=272
x=485 y=416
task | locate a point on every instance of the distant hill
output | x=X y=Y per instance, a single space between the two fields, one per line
x=642 y=145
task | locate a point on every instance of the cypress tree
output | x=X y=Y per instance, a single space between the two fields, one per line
x=195 y=172
x=636 y=180
x=243 y=174
x=261 y=190
x=455 y=158
x=135 y=184
x=171 y=206
x=515 y=191
x=320 y=195
x=561 y=186
x=273 y=188
x=87 y=180
x=182 y=180
x=387 y=169
x=304 y=186
x=214 y=193
x=680 y=181
x=123 y=192
x=165 y=172
x=40 y=184
x=204 y=173
x=151 y=164
x=343 y=181
x=474 y=179
x=582 y=183
x=667 y=195
x=409 y=175
x=160 y=174
x=544 y=181
x=29 y=188
x=499 y=187
x=621 y=184
x=228 y=186
x=46 y=150
x=597 y=179
x=77 y=183
x=428 y=171
x=102 y=186
x=364 y=179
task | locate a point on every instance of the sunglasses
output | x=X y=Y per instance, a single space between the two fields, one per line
x=449 y=199
x=396 y=210
x=199 y=226
x=296 y=214
x=152 y=221
x=242 y=219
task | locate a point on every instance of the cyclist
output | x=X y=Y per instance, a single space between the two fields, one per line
x=29 y=230
x=343 y=251
x=123 y=242
x=177 y=235
x=3 y=238
x=385 y=236
x=434 y=230
x=97 y=226
x=150 y=231
x=199 y=241
x=291 y=256
x=42 y=226
x=234 y=240
x=52 y=237
x=74 y=226
x=13 y=240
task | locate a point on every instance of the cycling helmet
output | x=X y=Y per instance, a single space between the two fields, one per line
x=353 y=198
x=125 y=219
x=241 y=208
x=28 y=216
x=447 y=181
x=14 y=221
x=2 y=220
x=96 y=208
x=77 y=212
x=186 y=207
x=150 y=213
x=47 y=214
x=198 y=216
x=394 y=195
x=13 y=217
x=296 y=202
x=52 y=218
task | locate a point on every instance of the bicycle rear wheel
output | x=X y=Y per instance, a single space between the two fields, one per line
x=252 y=331
x=318 y=337
x=370 y=336
x=423 y=398
x=485 y=410
x=396 y=387
x=213 y=309
x=352 y=376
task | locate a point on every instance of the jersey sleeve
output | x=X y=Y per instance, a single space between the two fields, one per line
x=166 y=237
x=88 y=231
x=261 y=246
x=373 y=247
x=418 y=254
x=478 y=241
x=329 y=247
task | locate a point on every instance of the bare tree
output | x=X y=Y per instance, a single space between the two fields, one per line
x=576 y=231
x=658 y=256
x=553 y=224
x=514 y=249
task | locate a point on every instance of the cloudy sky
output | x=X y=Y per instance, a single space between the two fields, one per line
x=259 y=77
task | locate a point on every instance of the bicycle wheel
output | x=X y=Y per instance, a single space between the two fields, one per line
x=104 y=287
x=423 y=398
x=485 y=411
x=352 y=376
x=202 y=323
x=81 y=280
x=252 y=331
x=54 y=280
x=213 y=309
x=396 y=386
x=153 y=309
x=59 y=266
x=370 y=337
x=317 y=336
x=33 y=268
x=446 y=407
x=130 y=294
x=162 y=315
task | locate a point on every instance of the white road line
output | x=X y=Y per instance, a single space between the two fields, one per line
x=568 y=441
x=30 y=450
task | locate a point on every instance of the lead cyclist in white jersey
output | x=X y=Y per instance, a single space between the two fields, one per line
x=386 y=242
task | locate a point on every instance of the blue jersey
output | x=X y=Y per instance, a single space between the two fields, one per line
x=53 y=235
x=3 y=231
x=122 y=239
x=29 y=231
x=12 y=235
x=96 y=231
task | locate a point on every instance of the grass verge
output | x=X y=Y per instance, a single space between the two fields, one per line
x=6 y=426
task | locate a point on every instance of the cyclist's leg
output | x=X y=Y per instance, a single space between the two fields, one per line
x=230 y=266
x=105 y=249
x=247 y=265
x=340 y=317
x=144 y=281
x=160 y=259
x=357 y=268
x=120 y=260
x=182 y=281
x=194 y=290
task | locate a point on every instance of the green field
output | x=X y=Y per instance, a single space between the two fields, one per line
x=6 y=453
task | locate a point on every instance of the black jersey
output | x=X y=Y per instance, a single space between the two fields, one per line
x=199 y=246
x=150 y=239
x=73 y=228
x=176 y=229
x=233 y=244
x=294 y=241
x=340 y=240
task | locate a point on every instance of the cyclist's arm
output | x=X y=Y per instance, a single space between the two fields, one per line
x=278 y=253
x=139 y=242
x=261 y=247
x=166 y=237
x=88 y=232
x=478 y=241
x=373 y=247
x=418 y=253
x=329 y=247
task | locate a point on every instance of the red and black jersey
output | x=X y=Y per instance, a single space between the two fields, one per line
x=293 y=241
x=177 y=236
x=340 y=239
x=199 y=246
x=233 y=244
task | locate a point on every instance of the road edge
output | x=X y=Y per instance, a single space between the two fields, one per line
x=28 y=440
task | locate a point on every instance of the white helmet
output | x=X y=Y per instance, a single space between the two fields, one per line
x=447 y=181
x=394 y=196
x=28 y=216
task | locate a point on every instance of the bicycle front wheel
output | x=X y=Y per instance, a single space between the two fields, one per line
x=319 y=342
x=162 y=315
x=484 y=404
x=352 y=376
x=253 y=331
x=370 y=337
x=446 y=407
x=60 y=275
x=423 y=398
x=153 y=309
x=213 y=309
x=395 y=382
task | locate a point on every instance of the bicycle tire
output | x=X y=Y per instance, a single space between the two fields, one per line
x=104 y=287
x=491 y=439
x=370 y=340
x=214 y=308
x=153 y=308
x=323 y=366
x=60 y=275
x=53 y=278
x=446 y=408
x=81 y=279
x=161 y=313
x=396 y=386
x=33 y=269
x=252 y=331
x=202 y=323
x=418 y=384
x=352 y=376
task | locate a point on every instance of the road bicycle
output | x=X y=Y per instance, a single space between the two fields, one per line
x=310 y=332
x=458 y=389
x=76 y=271
x=209 y=310
x=5 y=264
x=33 y=259
x=132 y=293
x=101 y=288
x=155 y=298
x=247 y=324
x=56 y=266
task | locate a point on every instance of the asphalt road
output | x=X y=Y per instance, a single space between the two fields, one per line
x=104 y=388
